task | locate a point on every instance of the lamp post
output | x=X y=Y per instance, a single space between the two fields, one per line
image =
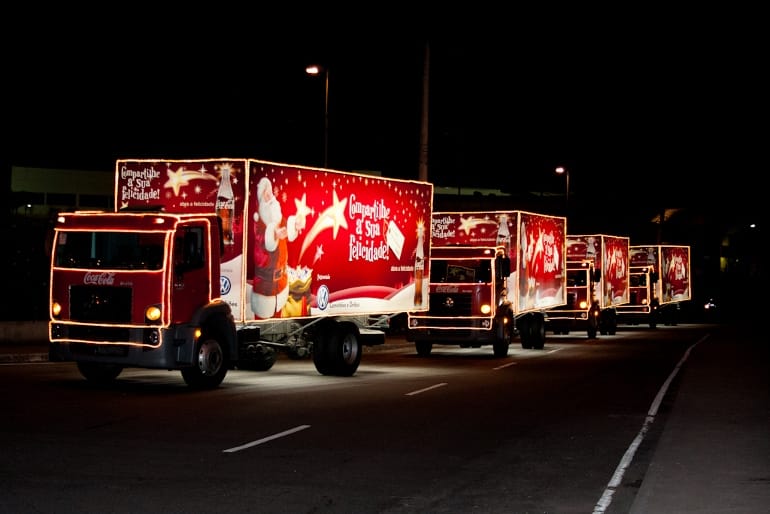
x=316 y=70
x=562 y=170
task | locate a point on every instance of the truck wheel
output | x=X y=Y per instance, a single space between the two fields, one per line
x=209 y=368
x=347 y=352
x=322 y=356
x=423 y=348
x=537 y=332
x=339 y=353
x=609 y=322
x=99 y=373
x=504 y=338
x=525 y=326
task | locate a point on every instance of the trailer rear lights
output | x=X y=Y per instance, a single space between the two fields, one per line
x=55 y=309
x=486 y=308
x=152 y=313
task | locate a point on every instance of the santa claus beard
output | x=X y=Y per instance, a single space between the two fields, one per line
x=270 y=211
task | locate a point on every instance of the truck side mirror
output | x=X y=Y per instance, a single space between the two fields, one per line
x=503 y=266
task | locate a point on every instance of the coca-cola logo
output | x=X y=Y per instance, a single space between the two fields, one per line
x=447 y=289
x=99 y=279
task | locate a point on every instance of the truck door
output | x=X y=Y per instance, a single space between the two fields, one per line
x=190 y=275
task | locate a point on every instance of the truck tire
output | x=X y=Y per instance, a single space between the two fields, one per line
x=423 y=348
x=338 y=353
x=608 y=323
x=99 y=373
x=654 y=312
x=504 y=338
x=525 y=327
x=537 y=331
x=209 y=368
x=593 y=322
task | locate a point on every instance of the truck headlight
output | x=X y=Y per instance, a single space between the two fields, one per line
x=152 y=313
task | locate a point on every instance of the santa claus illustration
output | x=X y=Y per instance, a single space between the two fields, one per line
x=272 y=232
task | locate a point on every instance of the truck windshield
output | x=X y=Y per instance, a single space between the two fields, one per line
x=465 y=271
x=109 y=250
x=576 y=278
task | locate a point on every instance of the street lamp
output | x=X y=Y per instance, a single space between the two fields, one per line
x=316 y=70
x=559 y=170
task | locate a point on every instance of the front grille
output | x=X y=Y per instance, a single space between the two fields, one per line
x=103 y=350
x=90 y=304
x=447 y=305
x=87 y=333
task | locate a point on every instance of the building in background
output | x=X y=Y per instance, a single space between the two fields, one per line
x=41 y=192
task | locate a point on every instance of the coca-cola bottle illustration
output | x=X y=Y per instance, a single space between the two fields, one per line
x=503 y=234
x=419 y=265
x=226 y=206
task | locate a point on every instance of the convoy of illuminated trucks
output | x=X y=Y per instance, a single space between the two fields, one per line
x=208 y=265
x=492 y=275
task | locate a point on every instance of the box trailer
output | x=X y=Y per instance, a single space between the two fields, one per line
x=207 y=265
x=493 y=274
x=660 y=281
x=597 y=285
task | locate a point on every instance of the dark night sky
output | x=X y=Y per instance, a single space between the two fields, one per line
x=672 y=99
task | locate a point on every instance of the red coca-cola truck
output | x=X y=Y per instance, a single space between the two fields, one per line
x=209 y=265
x=493 y=275
x=597 y=285
x=659 y=284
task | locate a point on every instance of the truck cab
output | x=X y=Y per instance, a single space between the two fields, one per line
x=139 y=289
x=644 y=303
x=468 y=301
x=582 y=309
x=597 y=285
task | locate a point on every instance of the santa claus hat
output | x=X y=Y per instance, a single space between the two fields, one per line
x=263 y=183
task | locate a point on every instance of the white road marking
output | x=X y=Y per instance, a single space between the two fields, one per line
x=505 y=365
x=606 y=499
x=426 y=389
x=265 y=439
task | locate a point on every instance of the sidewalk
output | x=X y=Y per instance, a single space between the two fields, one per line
x=713 y=455
x=23 y=341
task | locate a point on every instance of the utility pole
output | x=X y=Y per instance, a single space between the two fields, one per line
x=423 y=171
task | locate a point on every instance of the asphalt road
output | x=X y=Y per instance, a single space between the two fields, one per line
x=667 y=420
